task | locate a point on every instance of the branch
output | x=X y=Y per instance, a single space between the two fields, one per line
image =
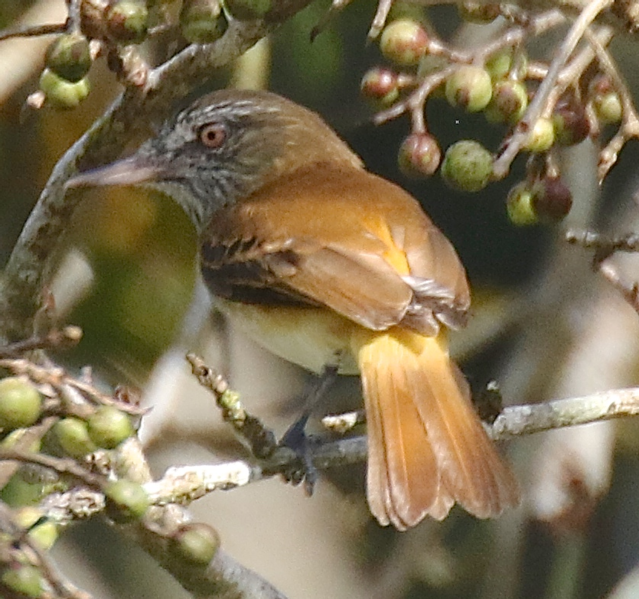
x=185 y=484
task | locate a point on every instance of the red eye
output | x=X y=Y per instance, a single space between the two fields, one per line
x=212 y=135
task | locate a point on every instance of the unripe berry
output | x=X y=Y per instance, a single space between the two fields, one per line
x=541 y=136
x=380 y=84
x=73 y=436
x=125 y=500
x=404 y=42
x=469 y=87
x=508 y=103
x=248 y=10
x=608 y=108
x=20 y=403
x=127 y=21
x=196 y=543
x=23 y=579
x=519 y=206
x=69 y=57
x=419 y=155
x=42 y=531
x=498 y=65
x=61 y=93
x=467 y=166
x=571 y=124
x=202 y=21
x=552 y=199
x=108 y=427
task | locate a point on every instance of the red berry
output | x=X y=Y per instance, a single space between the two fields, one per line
x=419 y=155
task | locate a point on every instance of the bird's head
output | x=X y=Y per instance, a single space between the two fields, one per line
x=222 y=148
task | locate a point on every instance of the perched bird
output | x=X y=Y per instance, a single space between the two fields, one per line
x=326 y=264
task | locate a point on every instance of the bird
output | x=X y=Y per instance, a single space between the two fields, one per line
x=331 y=266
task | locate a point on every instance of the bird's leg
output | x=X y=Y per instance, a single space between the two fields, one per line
x=295 y=437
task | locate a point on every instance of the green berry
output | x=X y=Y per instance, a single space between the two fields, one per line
x=24 y=579
x=108 y=427
x=508 y=103
x=519 y=206
x=69 y=56
x=202 y=21
x=381 y=85
x=541 y=137
x=419 y=155
x=61 y=93
x=470 y=88
x=571 y=123
x=125 y=500
x=499 y=64
x=196 y=543
x=467 y=166
x=127 y=21
x=20 y=403
x=248 y=10
x=42 y=531
x=14 y=437
x=404 y=42
x=552 y=200
x=73 y=436
x=608 y=108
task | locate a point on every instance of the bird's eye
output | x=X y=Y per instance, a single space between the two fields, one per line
x=212 y=135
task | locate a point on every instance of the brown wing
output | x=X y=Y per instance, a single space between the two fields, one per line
x=342 y=238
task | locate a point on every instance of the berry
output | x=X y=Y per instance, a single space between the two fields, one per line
x=108 y=427
x=125 y=500
x=202 y=21
x=519 y=206
x=127 y=21
x=469 y=87
x=508 y=103
x=499 y=64
x=541 y=137
x=404 y=42
x=552 y=199
x=20 y=403
x=42 y=530
x=419 y=155
x=73 y=436
x=608 y=108
x=196 y=543
x=571 y=124
x=380 y=84
x=467 y=166
x=25 y=580
x=61 y=93
x=69 y=56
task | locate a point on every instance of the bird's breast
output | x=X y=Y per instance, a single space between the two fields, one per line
x=307 y=336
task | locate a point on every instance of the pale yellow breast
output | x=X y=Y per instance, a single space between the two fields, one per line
x=310 y=337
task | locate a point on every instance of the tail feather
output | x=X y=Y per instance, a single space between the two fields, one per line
x=427 y=447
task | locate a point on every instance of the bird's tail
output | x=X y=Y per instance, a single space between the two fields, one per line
x=427 y=448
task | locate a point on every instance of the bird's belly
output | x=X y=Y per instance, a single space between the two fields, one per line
x=310 y=337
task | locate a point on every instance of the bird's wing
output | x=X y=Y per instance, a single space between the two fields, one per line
x=342 y=238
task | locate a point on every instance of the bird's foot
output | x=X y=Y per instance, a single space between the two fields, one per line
x=301 y=469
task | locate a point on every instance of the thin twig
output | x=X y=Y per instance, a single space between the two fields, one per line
x=540 y=104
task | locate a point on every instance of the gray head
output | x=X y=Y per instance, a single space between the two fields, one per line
x=222 y=148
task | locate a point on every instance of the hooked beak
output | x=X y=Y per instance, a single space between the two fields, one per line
x=128 y=171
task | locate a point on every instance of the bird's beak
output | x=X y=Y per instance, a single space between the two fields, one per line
x=128 y=171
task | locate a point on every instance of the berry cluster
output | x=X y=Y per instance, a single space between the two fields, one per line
x=112 y=27
x=500 y=81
